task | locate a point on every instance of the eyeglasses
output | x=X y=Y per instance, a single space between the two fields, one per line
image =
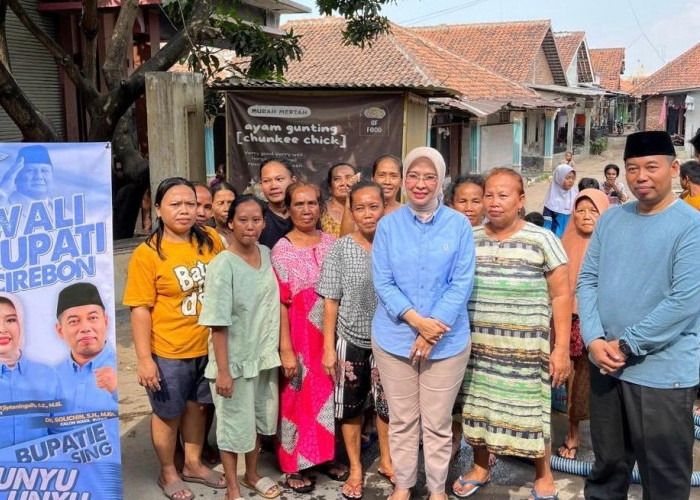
x=413 y=178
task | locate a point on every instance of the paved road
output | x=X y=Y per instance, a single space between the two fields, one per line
x=512 y=479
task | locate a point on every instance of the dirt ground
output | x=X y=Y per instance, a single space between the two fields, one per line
x=510 y=479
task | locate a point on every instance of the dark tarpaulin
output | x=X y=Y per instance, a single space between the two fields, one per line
x=310 y=132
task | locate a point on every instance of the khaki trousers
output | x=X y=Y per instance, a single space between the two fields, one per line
x=420 y=394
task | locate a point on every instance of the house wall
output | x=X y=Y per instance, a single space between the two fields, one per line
x=496 y=146
x=653 y=113
x=543 y=74
x=533 y=144
x=692 y=122
x=35 y=71
x=572 y=72
x=465 y=160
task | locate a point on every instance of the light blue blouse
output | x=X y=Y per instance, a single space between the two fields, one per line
x=425 y=266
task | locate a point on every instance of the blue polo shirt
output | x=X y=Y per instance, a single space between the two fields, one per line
x=80 y=387
x=27 y=382
x=425 y=266
x=640 y=281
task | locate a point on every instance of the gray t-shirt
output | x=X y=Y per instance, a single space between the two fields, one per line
x=347 y=276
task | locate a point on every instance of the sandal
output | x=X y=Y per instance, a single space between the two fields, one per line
x=389 y=477
x=328 y=467
x=172 y=489
x=535 y=496
x=471 y=482
x=570 y=449
x=263 y=487
x=356 y=490
x=307 y=488
x=213 y=480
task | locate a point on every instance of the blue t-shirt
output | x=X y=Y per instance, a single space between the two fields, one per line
x=27 y=382
x=425 y=266
x=640 y=281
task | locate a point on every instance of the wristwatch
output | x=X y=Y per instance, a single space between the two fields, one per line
x=624 y=348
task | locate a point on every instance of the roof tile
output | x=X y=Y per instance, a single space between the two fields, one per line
x=401 y=58
x=609 y=64
x=509 y=48
x=681 y=73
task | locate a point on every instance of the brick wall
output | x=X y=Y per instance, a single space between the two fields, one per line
x=653 y=112
x=543 y=74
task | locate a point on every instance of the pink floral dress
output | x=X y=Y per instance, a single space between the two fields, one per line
x=306 y=432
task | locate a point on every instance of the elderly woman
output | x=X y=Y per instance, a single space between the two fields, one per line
x=588 y=206
x=306 y=432
x=21 y=380
x=423 y=268
x=520 y=270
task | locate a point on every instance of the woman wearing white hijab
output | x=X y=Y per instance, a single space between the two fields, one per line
x=423 y=270
x=560 y=199
x=20 y=379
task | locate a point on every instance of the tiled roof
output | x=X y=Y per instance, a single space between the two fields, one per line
x=680 y=74
x=609 y=64
x=510 y=49
x=400 y=59
x=568 y=43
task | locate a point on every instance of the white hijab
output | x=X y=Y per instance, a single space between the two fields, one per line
x=11 y=358
x=558 y=199
x=426 y=212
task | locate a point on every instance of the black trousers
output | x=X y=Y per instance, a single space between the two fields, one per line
x=653 y=427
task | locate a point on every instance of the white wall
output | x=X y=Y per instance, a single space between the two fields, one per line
x=692 y=122
x=496 y=146
x=572 y=72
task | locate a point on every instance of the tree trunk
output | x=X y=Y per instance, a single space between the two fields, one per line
x=130 y=179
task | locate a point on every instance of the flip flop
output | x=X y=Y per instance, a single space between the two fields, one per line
x=262 y=487
x=354 y=487
x=535 y=496
x=299 y=489
x=477 y=484
x=175 y=487
x=328 y=466
x=573 y=449
x=212 y=480
x=389 y=477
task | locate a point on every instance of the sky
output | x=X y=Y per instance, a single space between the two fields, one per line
x=653 y=32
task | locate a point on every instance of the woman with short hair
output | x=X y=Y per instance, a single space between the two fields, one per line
x=306 y=435
x=520 y=270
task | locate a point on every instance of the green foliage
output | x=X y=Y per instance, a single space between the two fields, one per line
x=364 y=21
x=258 y=54
x=599 y=146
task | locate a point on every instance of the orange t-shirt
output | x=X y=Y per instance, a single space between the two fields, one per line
x=172 y=288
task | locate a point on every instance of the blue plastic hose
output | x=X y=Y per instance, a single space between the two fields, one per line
x=581 y=468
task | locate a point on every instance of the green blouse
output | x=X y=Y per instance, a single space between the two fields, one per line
x=247 y=301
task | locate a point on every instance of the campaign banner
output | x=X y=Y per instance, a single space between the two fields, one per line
x=59 y=425
x=310 y=132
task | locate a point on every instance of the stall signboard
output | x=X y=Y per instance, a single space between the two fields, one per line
x=311 y=132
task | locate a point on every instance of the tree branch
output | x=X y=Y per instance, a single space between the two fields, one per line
x=35 y=126
x=90 y=26
x=4 y=52
x=114 y=67
x=108 y=108
x=62 y=59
